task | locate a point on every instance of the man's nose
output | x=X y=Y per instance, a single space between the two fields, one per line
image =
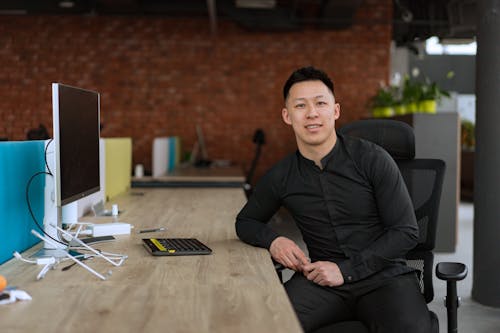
x=312 y=112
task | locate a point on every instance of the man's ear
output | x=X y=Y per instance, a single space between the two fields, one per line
x=286 y=116
x=336 y=111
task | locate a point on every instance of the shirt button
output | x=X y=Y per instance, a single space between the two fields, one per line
x=349 y=278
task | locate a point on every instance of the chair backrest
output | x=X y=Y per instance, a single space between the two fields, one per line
x=394 y=136
x=423 y=178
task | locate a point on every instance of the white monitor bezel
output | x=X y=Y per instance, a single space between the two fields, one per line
x=57 y=148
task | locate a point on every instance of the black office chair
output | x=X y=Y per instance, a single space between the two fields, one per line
x=424 y=179
x=259 y=139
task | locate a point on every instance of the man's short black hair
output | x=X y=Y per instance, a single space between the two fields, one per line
x=307 y=74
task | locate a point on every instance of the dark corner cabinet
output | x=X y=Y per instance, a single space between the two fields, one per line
x=467 y=175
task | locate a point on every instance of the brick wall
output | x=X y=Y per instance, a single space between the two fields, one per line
x=161 y=76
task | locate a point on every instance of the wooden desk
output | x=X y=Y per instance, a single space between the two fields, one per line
x=195 y=177
x=235 y=289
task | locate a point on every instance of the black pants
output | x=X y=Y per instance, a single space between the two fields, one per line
x=384 y=305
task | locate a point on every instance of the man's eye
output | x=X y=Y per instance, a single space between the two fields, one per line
x=299 y=106
x=321 y=103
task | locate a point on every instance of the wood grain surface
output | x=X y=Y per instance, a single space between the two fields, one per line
x=235 y=289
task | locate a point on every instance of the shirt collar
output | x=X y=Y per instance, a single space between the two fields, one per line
x=326 y=158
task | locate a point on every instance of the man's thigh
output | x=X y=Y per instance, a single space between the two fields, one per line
x=395 y=305
x=315 y=305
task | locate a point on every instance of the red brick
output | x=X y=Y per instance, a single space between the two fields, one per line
x=161 y=76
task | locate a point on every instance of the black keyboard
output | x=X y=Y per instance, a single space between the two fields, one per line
x=175 y=246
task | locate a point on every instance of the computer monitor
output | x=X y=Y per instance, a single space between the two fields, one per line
x=76 y=136
x=72 y=156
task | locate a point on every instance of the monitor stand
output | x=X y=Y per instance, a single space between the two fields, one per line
x=52 y=249
x=53 y=215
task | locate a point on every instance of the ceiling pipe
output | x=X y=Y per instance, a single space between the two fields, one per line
x=212 y=16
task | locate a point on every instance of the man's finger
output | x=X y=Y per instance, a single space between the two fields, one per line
x=301 y=257
x=289 y=261
x=309 y=266
x=283 y=260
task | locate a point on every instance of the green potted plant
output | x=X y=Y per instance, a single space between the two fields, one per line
x=411 y=95
x=399 y=105
x=382 y=103
x=468 y=138
x=430 y=94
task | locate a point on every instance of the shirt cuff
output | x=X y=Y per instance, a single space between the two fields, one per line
x=347 y=271
x=268 y=237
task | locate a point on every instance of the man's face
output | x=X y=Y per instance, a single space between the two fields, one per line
x=311 y=111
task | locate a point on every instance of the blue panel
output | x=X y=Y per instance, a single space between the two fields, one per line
x=171 y=152
x=18 y=162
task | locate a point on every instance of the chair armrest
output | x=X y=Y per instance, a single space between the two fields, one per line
x=277 y=266
x=451 y=271
x=279 y=269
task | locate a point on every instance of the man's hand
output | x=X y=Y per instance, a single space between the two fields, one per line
x=324 y=273
x=287 y=253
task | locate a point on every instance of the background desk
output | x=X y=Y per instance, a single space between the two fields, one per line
x=195 y=177
x=235 y=289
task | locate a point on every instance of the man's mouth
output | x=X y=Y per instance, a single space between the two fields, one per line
x=313 y=126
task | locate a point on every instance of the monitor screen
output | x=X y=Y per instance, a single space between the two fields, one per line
x=76 y=139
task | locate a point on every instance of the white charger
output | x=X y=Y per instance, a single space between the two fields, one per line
x=110 y=229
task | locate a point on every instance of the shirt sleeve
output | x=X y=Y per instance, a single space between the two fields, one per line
x=396 y=213
x=251 y=222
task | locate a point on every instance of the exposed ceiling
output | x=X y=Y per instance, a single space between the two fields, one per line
x=412 y=19
x=420 y=19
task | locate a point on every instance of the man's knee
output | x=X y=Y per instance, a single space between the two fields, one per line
x=397 y=305
x=407 y=324
x=314 y=305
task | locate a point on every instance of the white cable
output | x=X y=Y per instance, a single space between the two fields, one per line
x=18 y=256
x=113 y=256
x=38 y=261
x=79 y=230
x=121 y=258
x=50 y=241
x=44 y=271
x=46 y=261
x=116 y=255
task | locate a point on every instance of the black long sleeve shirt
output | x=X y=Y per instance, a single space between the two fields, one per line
x=355 y=211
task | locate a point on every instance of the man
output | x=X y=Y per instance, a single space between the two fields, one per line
x=355 y=215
